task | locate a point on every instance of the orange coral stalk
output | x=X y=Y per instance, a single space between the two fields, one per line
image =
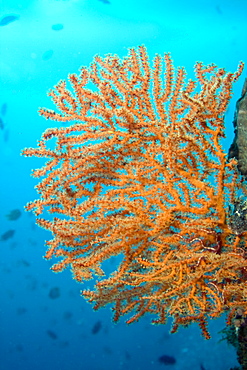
x=141 y=174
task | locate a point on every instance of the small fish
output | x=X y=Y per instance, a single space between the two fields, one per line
x=167 y=360
x=57 y=27
x=47 y=55
x=67 y=315
x=8 y=19
x=21 y=310
x=97 y=327
x=51 y=334
x=54 y=293
x=23 y=262
x=218 y=9
x=14 y=215
x=3 y=109
x=1 y=124
x=105 y=1
x=6 y=135
x=7 y=235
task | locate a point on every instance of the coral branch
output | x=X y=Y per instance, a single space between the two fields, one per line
x=141 y=175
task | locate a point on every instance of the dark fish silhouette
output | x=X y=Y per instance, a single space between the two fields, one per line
x=167 y=360
x=57 y=27
x=8 y=19
x=1 y=124
x=23 y=262
x=3 y=109
x=7 y=235
x=51 y=334
x=14 y=215
x=54 y=293
x=97 y=327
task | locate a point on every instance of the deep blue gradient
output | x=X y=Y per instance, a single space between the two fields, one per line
x=44 y=323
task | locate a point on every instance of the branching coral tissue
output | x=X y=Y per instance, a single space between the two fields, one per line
x=141 y=174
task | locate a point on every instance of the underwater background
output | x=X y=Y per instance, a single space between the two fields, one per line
x=44 y=322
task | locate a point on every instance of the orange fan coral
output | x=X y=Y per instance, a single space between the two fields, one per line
x=141 y=174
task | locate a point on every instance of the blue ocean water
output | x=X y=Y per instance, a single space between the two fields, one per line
x=44 y=323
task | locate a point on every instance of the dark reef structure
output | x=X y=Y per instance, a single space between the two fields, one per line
x=236 y=335
x=238 y=149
